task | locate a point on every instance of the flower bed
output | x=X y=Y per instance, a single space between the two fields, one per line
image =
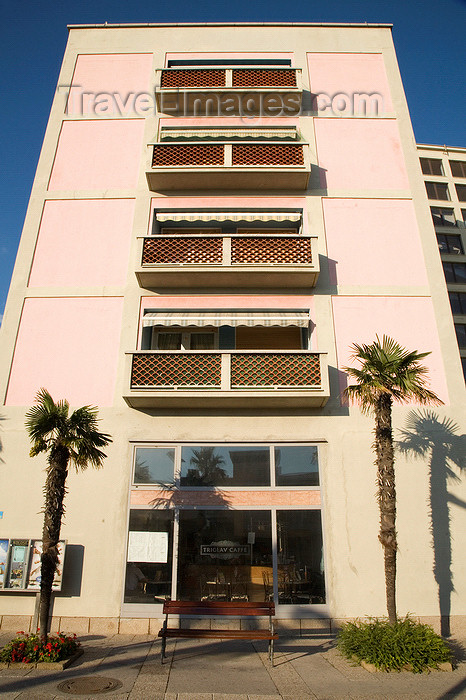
x=31 y=649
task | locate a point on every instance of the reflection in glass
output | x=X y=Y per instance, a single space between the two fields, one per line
x=149 y=579
x=224 y=554
x=154 y=465
x=225 y=466
x=296 y=466
x=300 y=557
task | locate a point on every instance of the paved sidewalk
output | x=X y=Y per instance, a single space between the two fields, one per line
x=305 y=668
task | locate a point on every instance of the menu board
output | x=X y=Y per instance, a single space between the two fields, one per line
x=35 y=566
x=148 y=547
x=3 y=557
x=19 y=551
x=20 y=565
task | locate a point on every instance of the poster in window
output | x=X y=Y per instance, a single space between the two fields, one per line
x=3 y=555
x=18 y=563
x=34 y=568
x=148 y=547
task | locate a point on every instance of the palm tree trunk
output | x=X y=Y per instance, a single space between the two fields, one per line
x=54 y=492
x=386 y=496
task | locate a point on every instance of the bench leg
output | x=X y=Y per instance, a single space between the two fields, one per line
x=271 y=651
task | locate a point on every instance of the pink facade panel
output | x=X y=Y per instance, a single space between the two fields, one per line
x=352 y=75
x=109 y=84
x=409 y=320
x=360 y=153
x=83 y=243
x=69 y=346
x=98 y=155
x=358 y=229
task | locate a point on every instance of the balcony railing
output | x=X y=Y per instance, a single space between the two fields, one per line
x=191 y=90
x=244 y=165
x=296 y=377
x=207 y=259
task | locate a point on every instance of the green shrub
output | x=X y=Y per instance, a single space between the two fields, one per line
x=406 y=644
x=30 y=648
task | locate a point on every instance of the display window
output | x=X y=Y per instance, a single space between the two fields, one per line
x=211 y=543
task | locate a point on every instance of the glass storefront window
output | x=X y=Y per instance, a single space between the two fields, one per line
x=149 y=558
x=224 y=554
x=300 y=557
x=296 y=466
x=154 y=465
x=225 y=466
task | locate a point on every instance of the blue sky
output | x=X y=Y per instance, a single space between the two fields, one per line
x=429 y=40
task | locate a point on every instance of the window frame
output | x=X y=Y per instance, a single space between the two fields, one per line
x=178 y=446
x=436 y=188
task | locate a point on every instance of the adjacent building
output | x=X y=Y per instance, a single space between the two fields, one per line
x=444 y=169
x=218 y=213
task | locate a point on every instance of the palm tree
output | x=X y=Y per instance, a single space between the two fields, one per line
x=65 y=438
x=387 y=373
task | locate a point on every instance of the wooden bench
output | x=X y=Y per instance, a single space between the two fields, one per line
x=218 y=609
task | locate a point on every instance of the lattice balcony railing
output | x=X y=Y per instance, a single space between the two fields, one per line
x=170 y=369
x=267 y=154
x=271 y=250
x=226 y=370
x=275 y=370
x=161 y=250
x=263 y=77
x=180 y=78
x=227 y=250
x=202 y=154
x=175 y=155
x=235 y=78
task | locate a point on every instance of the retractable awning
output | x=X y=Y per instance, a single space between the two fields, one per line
x=226 y=318
x=172 y=133
x=228 y=216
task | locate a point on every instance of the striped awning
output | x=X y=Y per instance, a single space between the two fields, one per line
x=270 y=133
x=229 y=216
x=227 y=318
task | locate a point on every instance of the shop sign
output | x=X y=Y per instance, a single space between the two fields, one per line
x=225 y=550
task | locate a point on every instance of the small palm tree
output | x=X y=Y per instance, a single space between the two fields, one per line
x=65 y=438
x=387 y=373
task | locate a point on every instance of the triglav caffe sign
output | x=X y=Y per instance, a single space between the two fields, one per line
x=225 y=550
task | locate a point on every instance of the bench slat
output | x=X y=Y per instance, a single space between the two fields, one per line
x=218 y=634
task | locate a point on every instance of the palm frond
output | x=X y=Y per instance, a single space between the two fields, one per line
x=385 y=367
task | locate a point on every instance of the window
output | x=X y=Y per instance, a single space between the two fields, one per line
x=450 y=243
x=463 y=362
x=458 y=168
x=216 y=547
x=443 y=217
x=457 y=302
x=461 y=192
x=148 y=576
x=463 y=214
x=455 y=272
x=437 y=190
x=431 y=166
x=460 y=329
x=186 y=340
x=154 y=465
x=206 y=466
x=225 y=466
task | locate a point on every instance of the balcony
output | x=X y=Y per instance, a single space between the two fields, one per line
x=273 y=165
x=266 y=378
x=205 y=259
x=271 y=92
